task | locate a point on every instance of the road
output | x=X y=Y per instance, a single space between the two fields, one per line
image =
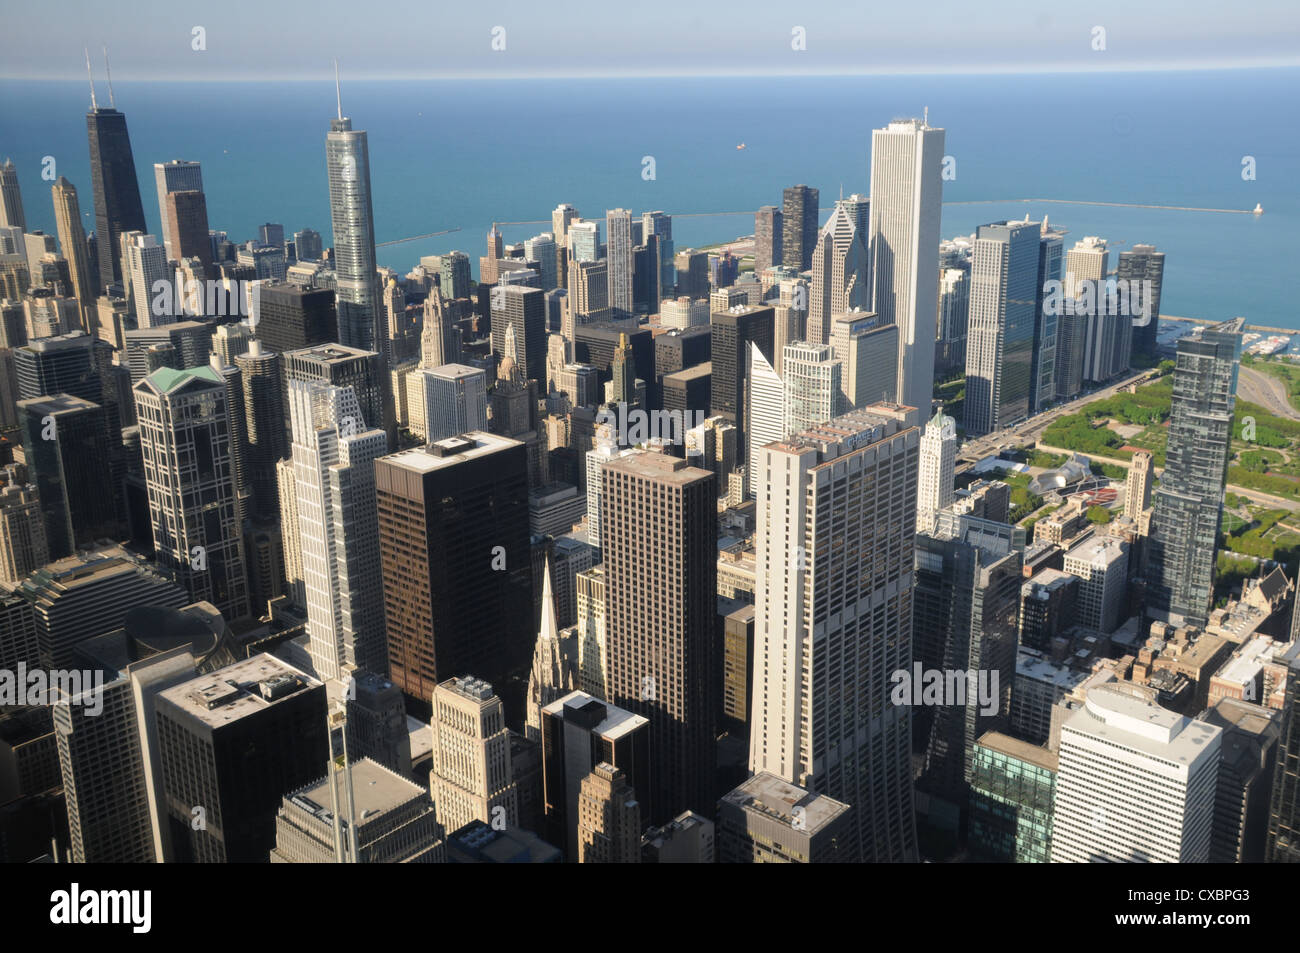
x=1027 y=432
x=1265 y=390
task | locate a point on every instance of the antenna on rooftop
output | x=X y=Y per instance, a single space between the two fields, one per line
x=112 y=103
x=338 y=90
x=90 y=76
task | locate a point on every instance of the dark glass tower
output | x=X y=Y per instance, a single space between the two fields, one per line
x=733 y=331
x=116 y=190
x=799 y=226
x=1144 y=263
x=1190 y=496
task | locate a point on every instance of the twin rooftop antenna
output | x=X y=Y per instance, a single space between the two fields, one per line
x=111 y=101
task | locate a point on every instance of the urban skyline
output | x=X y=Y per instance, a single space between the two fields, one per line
x=843 y=540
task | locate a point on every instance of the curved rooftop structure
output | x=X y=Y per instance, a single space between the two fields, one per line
x=1073 y=471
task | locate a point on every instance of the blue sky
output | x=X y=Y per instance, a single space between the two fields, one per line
x=261 y=40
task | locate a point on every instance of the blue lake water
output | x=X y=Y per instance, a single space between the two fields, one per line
x=462 y=154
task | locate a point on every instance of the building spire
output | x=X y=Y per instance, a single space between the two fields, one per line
x=112 y=103
x=90 y=76
x=338 y=90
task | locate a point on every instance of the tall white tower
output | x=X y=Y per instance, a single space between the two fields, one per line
x=938 y=463
x=903 y=247
x=833 y=603
x=338 y=527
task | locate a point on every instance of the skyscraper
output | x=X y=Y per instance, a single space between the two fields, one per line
x=1283 y=844
x=187 y=226
x=23 y=547
x=67 y=443
x=259 y=729
x=609 y=818
x=938 y=460
x=263 y=381
x=290 y=318
x=833 y=600
x=116 y=190
x=733 y=331
x=471 y=778
x=454 y=400
x=361 y=370
x=768 y=250
x=11 y=198
x=660 y=555
x=1135 y=783
x=184 y=416
x=1042 y=378
x=618 y=225
x=347 y=161
x=1189 y=500
x=178 y=175
x=333 y=459
x=524 y=310
x=903 y=240
x=799 y=221
x=1142 y=263
x=813 y=392
x=660 y=226
x=453 y=545
x=72 y=239
x=1003 y=314
x=145 y=262
x=839 y=273
x=766 y=412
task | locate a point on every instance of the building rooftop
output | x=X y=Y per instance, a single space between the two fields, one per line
x=694 y=372
x=1033 y=665
x=1099 y=551
x=658 y=466
x=441 y=454
x=614 y=722
x=375 y=790
x=239 y=690
x=330 y=353
x=1023 y=750
x=1133 y=720
x=767 y=794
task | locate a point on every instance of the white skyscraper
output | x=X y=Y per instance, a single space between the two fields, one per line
x=147 y=264
x=454 y=400
x=766 y=408
x=338 y=527
x=836 y=513
x=813 y=392
x=1086 y=261
x=903 y=247
x=938 y=462
x=1136 y=782
x=618 y=225
x=178 y=175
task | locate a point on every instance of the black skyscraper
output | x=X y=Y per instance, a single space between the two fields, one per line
x=117 y=192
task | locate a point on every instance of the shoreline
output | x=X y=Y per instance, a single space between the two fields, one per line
x=1289 y=332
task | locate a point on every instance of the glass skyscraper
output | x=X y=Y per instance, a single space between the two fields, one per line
x=1190 y=495
x=347 y=160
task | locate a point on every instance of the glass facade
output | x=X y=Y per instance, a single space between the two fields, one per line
x=1010 y=806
